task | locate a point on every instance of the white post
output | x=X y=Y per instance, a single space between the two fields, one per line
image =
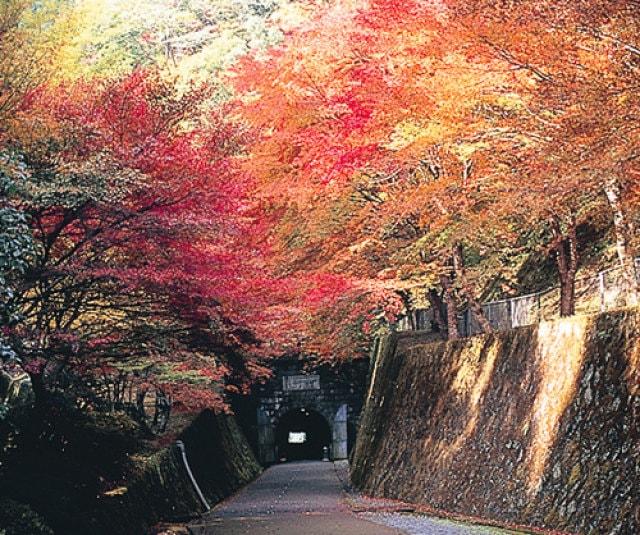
x=340 y=434
x=266 y=439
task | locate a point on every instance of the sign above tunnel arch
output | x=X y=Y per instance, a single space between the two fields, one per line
x=294 y=383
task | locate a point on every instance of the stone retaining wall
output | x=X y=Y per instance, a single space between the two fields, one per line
x=537 y=426
x=220 y=459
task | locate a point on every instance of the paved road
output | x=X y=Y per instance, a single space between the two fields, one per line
x=289 y=499
x=307 y=498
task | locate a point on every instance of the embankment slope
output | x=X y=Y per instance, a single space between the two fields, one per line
x=221 y=461
x=537 y=426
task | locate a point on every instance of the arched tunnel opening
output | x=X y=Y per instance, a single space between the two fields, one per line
x=301 y=434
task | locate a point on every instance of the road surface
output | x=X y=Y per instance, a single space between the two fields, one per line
x=289 y=499
x=307 y=498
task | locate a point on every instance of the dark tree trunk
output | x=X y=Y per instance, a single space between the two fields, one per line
x=439 y=311
x=141 y=395
x=40 y=393
x=451 y=306
x=468 y=289
x=567 y=298
x=565 y=246
x=406 y=301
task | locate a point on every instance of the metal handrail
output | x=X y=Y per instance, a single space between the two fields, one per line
x=489 y=304
x=183 y=451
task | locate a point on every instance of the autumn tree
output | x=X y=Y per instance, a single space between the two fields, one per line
x=195 y=40
x=16 y=248
x=29 y=47
x=580 y=63
x=379 y=155
x=135 y=220
x=390 y=120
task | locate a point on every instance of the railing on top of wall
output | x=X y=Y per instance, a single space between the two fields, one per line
x=593 y=294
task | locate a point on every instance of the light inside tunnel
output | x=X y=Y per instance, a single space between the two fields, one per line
x=297 y=437
x=302 y=434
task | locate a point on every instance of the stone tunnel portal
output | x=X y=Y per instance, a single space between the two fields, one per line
x=302 y=434
x=320 y=406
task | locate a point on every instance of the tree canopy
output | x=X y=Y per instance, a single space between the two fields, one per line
x=190 y=188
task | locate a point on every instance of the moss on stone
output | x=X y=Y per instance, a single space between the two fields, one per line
x=574 y=476
x=442 y=428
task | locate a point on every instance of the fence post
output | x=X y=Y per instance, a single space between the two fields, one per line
x=603 y=294
x=539 y=307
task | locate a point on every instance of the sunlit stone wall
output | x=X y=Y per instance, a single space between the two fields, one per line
x=539 y=426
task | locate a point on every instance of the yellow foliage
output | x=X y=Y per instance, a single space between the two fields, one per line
x=31 y=46
x=193 y=40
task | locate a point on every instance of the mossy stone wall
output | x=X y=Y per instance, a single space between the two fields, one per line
x=220 y=459
x=538 y=426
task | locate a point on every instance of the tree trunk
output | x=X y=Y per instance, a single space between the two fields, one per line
x=567 y=298
x=439 y=311
x=406 y=301
x=452 y=307
x=141 y=394
x=40 y=392
x=566 y=249
x=468 y=290
x=623 y=230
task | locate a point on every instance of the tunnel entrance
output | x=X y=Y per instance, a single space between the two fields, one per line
x=301 y=434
